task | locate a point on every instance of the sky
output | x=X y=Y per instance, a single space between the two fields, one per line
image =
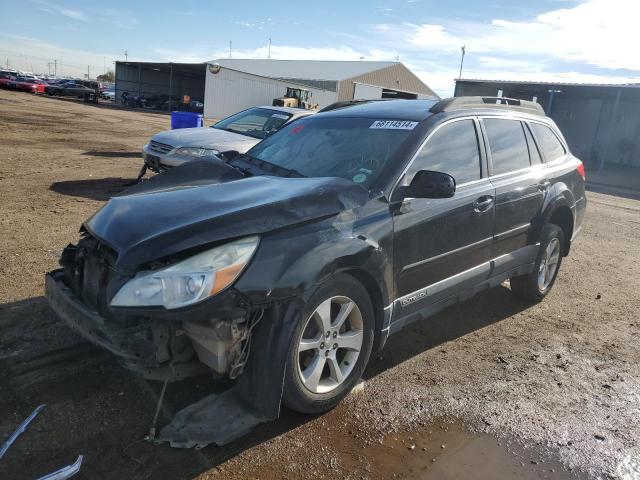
x=547 y=40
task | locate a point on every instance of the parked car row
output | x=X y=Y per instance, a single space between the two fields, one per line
x=54 y=86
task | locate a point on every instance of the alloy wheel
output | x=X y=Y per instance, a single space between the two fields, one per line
x=330 y=344
x=549 y=264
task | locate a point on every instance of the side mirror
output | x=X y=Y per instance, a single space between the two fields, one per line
x=428 y=184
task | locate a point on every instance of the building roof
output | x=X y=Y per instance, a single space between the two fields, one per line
x=335 y=70
x=559 y=84
x=411 y=110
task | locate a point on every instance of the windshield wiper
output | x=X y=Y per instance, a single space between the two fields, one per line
x=233 y=131
x=273 y=168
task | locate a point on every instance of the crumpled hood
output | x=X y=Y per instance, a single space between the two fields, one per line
x=206 y=137
x=204 y=202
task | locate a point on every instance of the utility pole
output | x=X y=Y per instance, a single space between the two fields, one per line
x=230 y=45
x=55 y=68
x=49 y=68
x=269 y=50
x=104 y=65
x=126 y=56
x=463 y=49
x=88 y=73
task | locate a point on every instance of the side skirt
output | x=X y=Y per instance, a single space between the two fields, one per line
x=434 y=298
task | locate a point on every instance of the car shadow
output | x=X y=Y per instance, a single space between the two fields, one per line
x=86 y=387
x=95 y=189
x=97 y=153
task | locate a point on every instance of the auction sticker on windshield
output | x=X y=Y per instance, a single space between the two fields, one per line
x=280 y=115
x=394 y=124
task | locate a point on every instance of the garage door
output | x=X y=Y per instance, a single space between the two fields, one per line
x=367 y=92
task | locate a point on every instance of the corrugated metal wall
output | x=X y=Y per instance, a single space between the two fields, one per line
x=601 y=123
x=396 y=77
x=230 y=91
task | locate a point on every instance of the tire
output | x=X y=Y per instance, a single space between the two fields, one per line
x=320 y=354
x=536 y=285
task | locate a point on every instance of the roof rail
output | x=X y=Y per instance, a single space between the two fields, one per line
x=464 y=103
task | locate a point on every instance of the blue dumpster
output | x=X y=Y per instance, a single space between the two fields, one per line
x=185 y=120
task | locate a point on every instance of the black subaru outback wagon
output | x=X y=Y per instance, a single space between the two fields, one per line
x=286 y=266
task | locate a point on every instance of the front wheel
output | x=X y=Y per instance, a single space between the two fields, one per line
x=330 y=346
x=536 y=285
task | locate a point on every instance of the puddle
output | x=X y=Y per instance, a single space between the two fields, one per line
x=450 y=452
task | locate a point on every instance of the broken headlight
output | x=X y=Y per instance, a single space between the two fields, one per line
x=190 y=280
x=198 y=152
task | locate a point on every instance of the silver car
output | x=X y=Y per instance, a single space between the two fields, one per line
x=238 y=133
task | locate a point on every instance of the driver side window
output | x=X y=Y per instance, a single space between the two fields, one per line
x=452 y=149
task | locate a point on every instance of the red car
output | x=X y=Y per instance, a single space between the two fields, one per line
x=32 y=85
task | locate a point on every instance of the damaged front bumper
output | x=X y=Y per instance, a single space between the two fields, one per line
x=89 y=324
x=161 y=345
x=218 y=418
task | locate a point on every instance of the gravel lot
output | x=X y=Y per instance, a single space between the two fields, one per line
x=492 y=388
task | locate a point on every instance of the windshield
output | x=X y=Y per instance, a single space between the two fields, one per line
x=357 y=149
x=254 y=122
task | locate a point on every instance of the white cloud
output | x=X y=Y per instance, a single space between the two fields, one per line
x=434 y=37
x=35 y=55
x=491 y=63
x=118 y=18
x=290 y=52
x=596 y=32
x=75 y=14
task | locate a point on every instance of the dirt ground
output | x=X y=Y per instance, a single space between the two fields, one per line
x=492 y=388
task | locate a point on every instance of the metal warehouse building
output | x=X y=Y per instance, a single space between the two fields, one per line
x=600 y=122
x=235 y=84
x=227 y=85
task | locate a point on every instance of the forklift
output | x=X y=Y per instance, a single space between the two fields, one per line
x=296 y=98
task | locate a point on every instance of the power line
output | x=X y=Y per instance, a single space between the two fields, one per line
x=24 y=58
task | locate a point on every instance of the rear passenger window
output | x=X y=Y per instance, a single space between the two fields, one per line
x=549 y=143
x=452 y=149
x=507 y=144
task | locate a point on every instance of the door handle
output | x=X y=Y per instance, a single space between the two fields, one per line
x=544 y=185
x=483 y=204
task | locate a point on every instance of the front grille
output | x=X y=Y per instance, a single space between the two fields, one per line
x=159 y=147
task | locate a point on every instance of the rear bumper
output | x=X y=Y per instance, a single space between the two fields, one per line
x=579 y=213
x=133 y=344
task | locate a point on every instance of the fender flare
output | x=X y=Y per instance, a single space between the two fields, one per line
x=562 y=199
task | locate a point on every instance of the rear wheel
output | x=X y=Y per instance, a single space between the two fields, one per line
x=330 y=346
x=536 y=285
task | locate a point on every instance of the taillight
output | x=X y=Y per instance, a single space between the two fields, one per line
x=580 y=169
